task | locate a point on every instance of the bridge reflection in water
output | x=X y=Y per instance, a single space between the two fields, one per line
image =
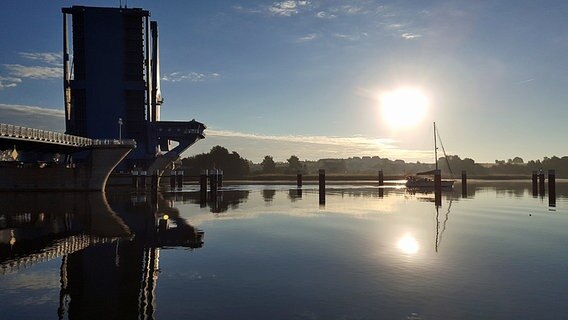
x=110 y=247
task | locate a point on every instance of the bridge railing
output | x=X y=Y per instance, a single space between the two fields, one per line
x=106 y=142
x=25 y=133
x=8 y=130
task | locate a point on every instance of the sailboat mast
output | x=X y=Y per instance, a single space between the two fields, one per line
x=435 y=147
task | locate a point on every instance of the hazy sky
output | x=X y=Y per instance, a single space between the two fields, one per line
x=304 y=77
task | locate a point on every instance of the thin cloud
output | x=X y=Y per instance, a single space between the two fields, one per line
x=352 y=10
x=360 y=8
x=526 y=81
x=336 y=141
x=410 y=35
x=256 y=146
x=394 y=26
x=50 y=68
x=240 y=8
x=33 y=116
x=9 y=82
x=351 y=37
x=191 y=76
x=325 y=15
x=34 y=72
x=287 y=8
x=308 y=37
x=51 y=58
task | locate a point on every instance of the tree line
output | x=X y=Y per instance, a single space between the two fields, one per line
x=235 y=166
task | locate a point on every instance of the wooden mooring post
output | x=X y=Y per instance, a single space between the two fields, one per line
x=381 y=178
x=179 y=177
x=220 y=178
x=172 y=179
x=135 y=178
x=143 y=178
x=321 y=186
x=464 y=184
x=203 y=188
x=299 y=180
x=154 y=183
x=541 y=183
x=534 y=183
x=213 y=182
x=552 y=188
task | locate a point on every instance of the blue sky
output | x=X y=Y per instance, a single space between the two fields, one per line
x=303 y=77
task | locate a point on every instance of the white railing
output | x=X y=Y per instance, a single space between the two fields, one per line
x=107 y=142
x=24 y=133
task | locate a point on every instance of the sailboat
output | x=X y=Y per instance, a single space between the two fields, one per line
x=418 y=182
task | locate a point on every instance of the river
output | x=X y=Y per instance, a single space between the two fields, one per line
x=275 y=252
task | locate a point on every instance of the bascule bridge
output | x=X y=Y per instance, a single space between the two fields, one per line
x=112 y=85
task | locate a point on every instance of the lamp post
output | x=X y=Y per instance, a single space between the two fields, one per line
x=120 y=129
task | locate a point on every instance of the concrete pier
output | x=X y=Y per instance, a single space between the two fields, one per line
x=89 y=175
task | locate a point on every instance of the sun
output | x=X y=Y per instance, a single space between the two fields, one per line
x=403 y=107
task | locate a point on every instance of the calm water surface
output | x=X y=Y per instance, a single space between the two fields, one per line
x=273 y=252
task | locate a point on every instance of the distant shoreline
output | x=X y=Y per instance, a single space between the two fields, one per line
x=367 y=177
x=332 y=179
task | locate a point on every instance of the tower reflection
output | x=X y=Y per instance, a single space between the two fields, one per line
x=110 y=247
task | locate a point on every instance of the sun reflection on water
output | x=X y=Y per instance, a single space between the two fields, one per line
x=408 y=244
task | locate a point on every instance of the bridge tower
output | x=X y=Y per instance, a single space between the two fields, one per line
x=112 y=83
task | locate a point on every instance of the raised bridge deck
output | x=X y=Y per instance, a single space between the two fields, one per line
x=21 y=137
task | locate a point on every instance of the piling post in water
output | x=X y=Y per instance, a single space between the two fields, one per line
x=381 y=178
x=143 y=179
x=464 y=184
x=321 y=186
x=203 y=188
x=534 y=183
x=552 y=187
x=213 y=182
x=162 y=224
x=173 y=179
x=541 y=183
x=135 y=174
x=179 y=176
x=154 y=186
x=155 y=180
x=299 y=180
x=220 y=178
x=438 y=187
